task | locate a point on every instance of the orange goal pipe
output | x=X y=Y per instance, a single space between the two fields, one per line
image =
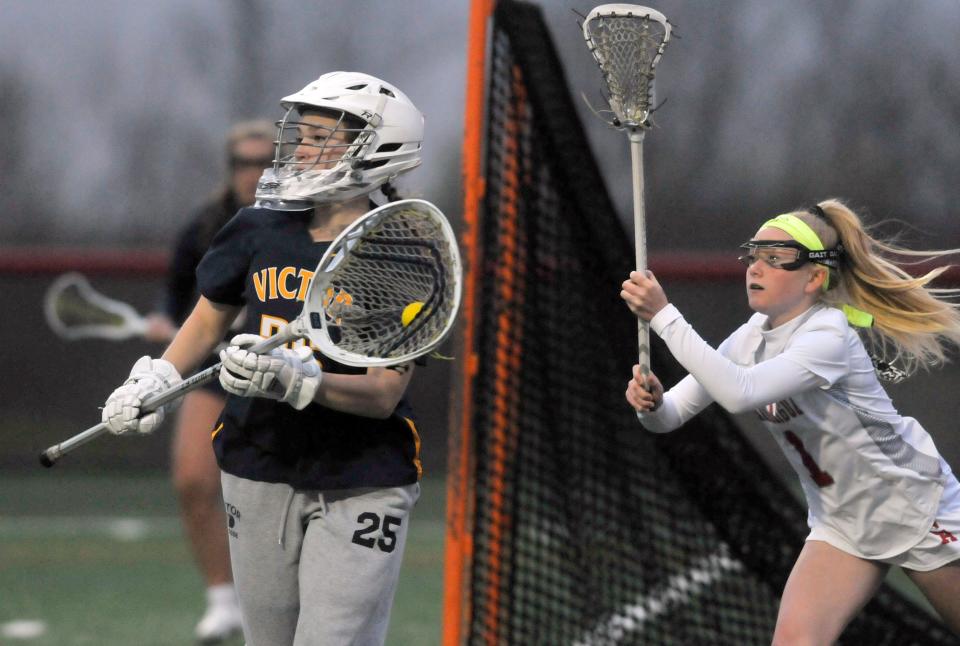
x=505 y=368
x=459 y=540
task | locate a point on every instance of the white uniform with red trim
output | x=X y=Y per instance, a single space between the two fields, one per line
x=874 y=481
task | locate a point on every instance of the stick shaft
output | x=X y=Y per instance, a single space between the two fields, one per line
x=640 y=239
x=57 y=451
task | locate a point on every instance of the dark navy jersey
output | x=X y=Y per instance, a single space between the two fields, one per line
x=264 y=259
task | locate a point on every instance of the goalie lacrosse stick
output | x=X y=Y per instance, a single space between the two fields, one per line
x=627 y=42
x=386 y=292
x=75 y=310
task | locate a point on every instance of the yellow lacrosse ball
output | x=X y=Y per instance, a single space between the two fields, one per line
x=410 y=312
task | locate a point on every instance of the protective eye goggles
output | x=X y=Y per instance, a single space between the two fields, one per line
x=788 y=254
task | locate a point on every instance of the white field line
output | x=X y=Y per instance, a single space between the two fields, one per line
x=679 y=589
x=122 y=528
x=23 y=629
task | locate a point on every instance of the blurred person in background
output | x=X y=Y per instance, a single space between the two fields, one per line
x=196 y=476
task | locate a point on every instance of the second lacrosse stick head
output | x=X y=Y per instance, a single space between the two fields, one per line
x=75 y=310
x=388 y=289
x=627 y=42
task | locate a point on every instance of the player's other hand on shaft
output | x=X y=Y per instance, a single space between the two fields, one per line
x=291 y=376
x=148 y=377
x=645 y=395
x=643 y=294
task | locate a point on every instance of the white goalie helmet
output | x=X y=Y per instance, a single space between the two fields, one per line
x=342 y=136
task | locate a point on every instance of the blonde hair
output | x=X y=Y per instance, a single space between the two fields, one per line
x=214 y=219
x=912 y=321
x=252 y=129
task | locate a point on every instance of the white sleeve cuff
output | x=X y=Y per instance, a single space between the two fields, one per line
x=664 y=317
x=662 y=420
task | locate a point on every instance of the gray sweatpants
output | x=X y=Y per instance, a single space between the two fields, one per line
x=315 y=568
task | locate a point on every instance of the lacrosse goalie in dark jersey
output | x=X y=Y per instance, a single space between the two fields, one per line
x=320 y=462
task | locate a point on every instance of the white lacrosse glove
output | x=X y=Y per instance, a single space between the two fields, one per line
x=148 y=377
x=292 y=376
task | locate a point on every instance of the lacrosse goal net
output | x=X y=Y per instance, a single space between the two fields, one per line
x=567 y=523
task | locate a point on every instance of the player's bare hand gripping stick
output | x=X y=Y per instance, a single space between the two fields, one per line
x=386 y=292
x=627 y=41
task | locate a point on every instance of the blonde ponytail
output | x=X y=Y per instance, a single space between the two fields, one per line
x=912 y=322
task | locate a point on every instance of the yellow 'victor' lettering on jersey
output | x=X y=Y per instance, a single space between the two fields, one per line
x=288 y=283
x=260 y=284
x=335 y=303
x=305 y=276
x=272 y=275
x=286 y=273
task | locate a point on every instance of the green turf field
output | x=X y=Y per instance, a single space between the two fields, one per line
x=101 y=560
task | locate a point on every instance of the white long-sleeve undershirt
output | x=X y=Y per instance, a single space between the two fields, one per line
x=811 y=360
x=873 y=479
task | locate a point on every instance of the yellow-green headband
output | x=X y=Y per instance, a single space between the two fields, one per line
x=798 y=230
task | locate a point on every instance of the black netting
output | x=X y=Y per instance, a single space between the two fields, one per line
x=587 y=529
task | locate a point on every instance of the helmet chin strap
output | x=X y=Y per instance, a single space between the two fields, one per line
x=284 y=205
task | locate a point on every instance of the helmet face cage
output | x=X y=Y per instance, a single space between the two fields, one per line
x=314 y=140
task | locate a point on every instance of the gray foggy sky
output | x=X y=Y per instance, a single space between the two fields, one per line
x=116 y=110
x=142 y=94
x=773 y=104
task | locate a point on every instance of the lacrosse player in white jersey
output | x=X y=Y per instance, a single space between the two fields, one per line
x=320 y=461
x=878 y=492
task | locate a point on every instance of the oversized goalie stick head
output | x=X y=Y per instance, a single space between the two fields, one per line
x=388 y=288
x=627 y=41
x=341 y=136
